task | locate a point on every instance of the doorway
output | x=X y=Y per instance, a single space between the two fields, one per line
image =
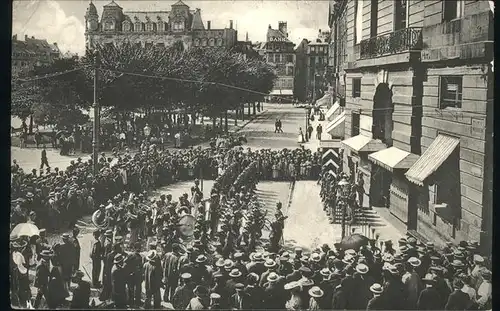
x=380 y=185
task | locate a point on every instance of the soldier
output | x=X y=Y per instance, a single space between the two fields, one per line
x=96 y=256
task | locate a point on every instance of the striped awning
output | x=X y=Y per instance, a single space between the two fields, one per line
x=393 y=158
x=325 y=100
x=339 y=121
x=332 y=110
x=440 y=149
x=361 y=143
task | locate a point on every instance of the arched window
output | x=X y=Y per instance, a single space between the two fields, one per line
x=178 y=26
x=196 y=42
x=219 y=42
x=109 y=25
x=126 y=26
x=211 y=42
x=204 y=42
x=138 y=27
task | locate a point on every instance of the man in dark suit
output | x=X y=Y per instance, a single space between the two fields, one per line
x=81 y=294
x=339 y=299
x=42 y=275
x=377 y=302
x=429 y=298
x=295 y=275
x=118 y=283
x=458 y=300
x=255 y=293
x=274 y=297
x=96 y=256
x=239 y=300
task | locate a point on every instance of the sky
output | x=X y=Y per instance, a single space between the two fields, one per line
x=62 y=21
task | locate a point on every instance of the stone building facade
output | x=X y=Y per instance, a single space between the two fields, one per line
x=279 y=52
x=32 y=52
x=154 y=28
x=418 y=96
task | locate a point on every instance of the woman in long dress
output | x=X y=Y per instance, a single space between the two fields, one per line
x=301 y=136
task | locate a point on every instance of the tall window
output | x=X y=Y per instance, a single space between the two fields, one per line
x=211 y=42
x=401 y=14
x=204 y=42
x=196 y=42
x=358 y=22
x=356 y=87
x=453 y=9
x=126 y=26
x=149 y=27
x=373 y=18
x=219 y=42
x=138 y=27
x=355 y=124
x=160 y=26
x=178 y=26
x=450 y=92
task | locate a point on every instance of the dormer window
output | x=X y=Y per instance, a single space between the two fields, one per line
x=138 y=26
x=160 y=26
x=109 y=25
x=126 y=26
x=204 y=42
x=149 y=27
x=211 y=42
x=219 y=42
x=196 y=42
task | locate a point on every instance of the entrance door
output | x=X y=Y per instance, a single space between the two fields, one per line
x=380 y=187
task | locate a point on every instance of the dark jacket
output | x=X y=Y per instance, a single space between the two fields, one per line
x=376 y=303
x=152 y=277
x=458 y=300
x=274 y=297
x=255 y=297
x=339 y=300
x=118 y=286
x=429 y=299
x=42 y=276
x=81 y=296
x=242 y=304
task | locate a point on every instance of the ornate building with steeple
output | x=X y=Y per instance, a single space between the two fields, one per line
x=154 y=28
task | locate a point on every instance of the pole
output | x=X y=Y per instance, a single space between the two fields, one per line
x=201 y=179
x=95 y=140
x=314 y=86
x=343 y=218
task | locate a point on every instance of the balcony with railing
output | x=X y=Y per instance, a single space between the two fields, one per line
x=397 y=42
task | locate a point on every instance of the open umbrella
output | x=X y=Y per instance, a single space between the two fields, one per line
x=354 y=241
x=25 y=229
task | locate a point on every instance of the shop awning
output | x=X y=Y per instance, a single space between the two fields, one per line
x=334 y=108
x=334 y=126
x=440 y=149
x=363 y=143
x=325 y=100
x=393 y=158
x=282 y=92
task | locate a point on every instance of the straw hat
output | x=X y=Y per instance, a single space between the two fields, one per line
x=291 y=285
x=325 y=272
x=478 y=258
x=235 y=273
x=350 y=252
x=316 y=292
x=270 y=263
x=376 y=288
x=315 y=257
x=428 y=278
x=362 y=268
x=201 y=259
x=414 y=261
x=272 y=277
x=388 y=257
x=119 y=258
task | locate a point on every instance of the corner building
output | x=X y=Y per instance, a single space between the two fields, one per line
x=419 y=118
x=154 y=28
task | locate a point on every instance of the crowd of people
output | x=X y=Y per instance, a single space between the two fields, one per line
x=225 y=263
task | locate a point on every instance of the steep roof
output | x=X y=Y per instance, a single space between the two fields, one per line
x=275 y=33
x=142 y=16
x=112 y=4
x=180 y=3
x=197 y=22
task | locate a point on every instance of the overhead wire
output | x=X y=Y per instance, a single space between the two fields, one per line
x=31 y=16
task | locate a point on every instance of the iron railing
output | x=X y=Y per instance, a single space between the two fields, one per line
x=403 y=40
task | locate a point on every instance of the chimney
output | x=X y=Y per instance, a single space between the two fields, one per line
x=55 y=43
x=320 y=31
x=269 y=26
x=32 y=37
x=14 y=37
x=25 y=37
x=231 y=24
x=208 y=25
x=282 y=27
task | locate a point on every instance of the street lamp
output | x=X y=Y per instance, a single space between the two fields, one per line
x=344 y=194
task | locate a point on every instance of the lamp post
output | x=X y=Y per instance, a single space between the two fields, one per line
x=147 y=133
x=344 y=194
x=95 y=130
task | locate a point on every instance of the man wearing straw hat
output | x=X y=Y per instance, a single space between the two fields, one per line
x=118 y=283
x=81 y=294
x=42 y=276
x=316 y=294
x=413 y=282
x=429 y=297
x=377 y=302
x=183 y=293
x=152 y=281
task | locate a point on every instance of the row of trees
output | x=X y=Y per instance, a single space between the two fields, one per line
x=131 y=78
